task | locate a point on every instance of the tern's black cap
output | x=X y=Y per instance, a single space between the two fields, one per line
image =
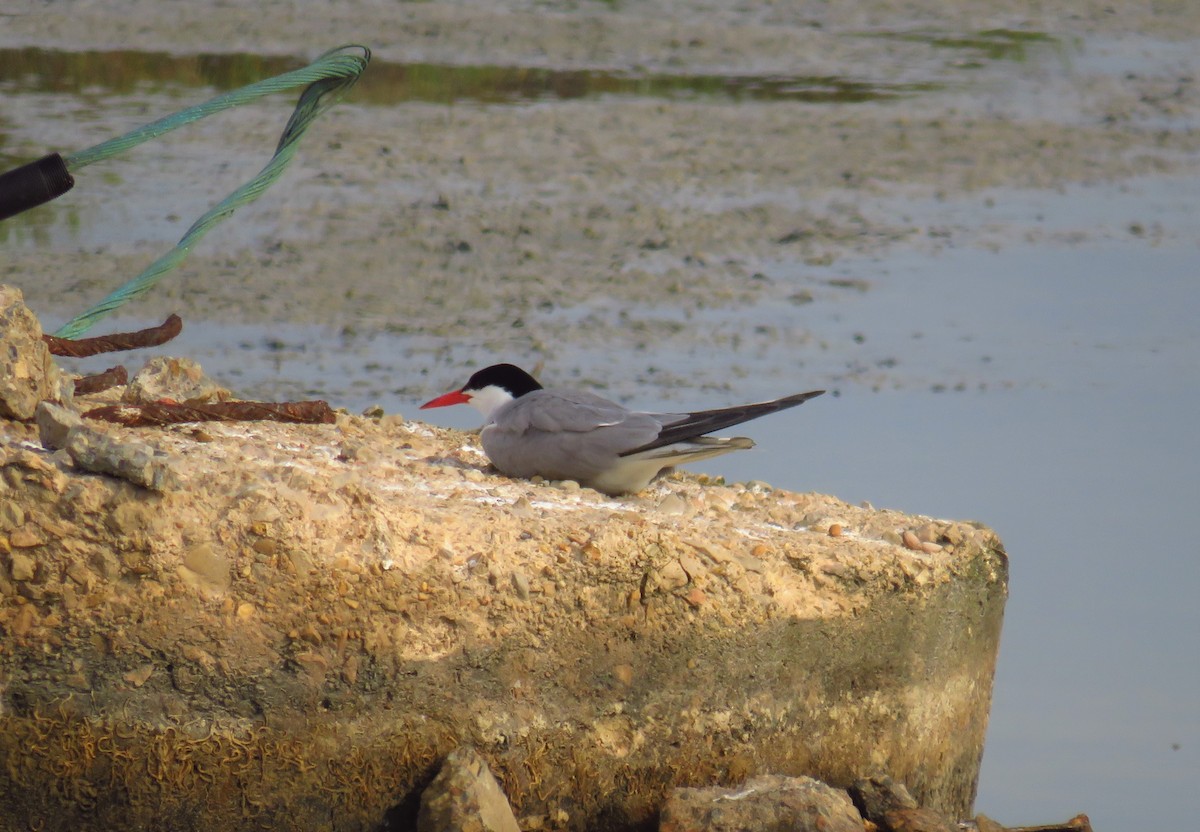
x=508 y=377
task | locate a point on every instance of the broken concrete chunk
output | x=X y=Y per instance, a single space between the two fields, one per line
x=919 y=819
x=771 y=803
x=28 y=374
x=879 y=794
x=54 y=424
x=94 y=451
x=177 y=379
x=465 y=797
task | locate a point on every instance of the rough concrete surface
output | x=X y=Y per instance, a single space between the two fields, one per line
x=318 y=614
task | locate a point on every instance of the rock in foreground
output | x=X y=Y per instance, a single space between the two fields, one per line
x=465 y=796
x=767 y=803
x=299 y=630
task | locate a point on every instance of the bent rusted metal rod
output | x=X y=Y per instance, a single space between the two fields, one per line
x=112 y=377
x=117 y=341
x=172 y=413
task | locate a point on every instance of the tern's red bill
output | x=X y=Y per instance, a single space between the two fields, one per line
x=447 y=399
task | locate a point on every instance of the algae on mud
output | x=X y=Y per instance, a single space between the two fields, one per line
x=129 y=71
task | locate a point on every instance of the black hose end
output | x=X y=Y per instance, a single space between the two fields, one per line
x=31 y=185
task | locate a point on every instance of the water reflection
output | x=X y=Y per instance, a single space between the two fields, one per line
x=125 y=72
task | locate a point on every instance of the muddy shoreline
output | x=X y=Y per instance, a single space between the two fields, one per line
x=606 y=223
x=673 y=34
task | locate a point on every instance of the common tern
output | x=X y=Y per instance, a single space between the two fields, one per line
x=564 y=434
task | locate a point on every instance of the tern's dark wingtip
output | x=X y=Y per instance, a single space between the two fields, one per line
x=801 y=398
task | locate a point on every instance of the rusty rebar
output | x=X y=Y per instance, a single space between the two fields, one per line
x=117 y=341
x=112 y=377
x=170 y=413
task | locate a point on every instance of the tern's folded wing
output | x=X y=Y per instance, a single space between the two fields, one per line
x=575 y=411
x=680 y=428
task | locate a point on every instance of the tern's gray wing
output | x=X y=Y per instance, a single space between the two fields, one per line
x=565 y=434
x=552 y=410
x=681 y=427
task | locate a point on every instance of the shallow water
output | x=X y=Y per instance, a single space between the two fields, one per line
x=1074 y=435
x=1095 y=693
x=1089 y=469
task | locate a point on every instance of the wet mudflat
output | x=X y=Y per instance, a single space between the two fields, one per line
x=978 y=231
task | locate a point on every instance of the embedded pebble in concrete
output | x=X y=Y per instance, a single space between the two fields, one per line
x=91 y=449
x=55 y=424
x=21 y=566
